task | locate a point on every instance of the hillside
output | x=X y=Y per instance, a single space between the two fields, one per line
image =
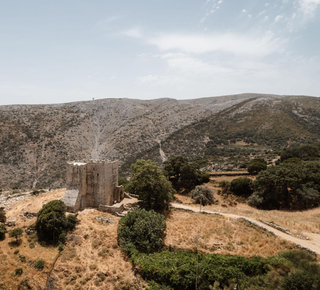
x=37 y=140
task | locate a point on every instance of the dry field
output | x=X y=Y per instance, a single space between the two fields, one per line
x=220 y=235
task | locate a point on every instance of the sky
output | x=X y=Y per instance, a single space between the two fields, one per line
x=57 y=51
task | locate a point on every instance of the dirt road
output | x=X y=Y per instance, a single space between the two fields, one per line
x=313 y=244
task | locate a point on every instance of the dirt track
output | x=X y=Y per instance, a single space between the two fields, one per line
x=313 y=244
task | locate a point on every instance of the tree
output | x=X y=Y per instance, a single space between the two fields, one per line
x=304 y=152
x=3 y=217
x=152 y=187
x=16 y=233
x=141 y=230
x=52 y=223
x=256 y=165
x=184 y=175
x=290 y=185
x=241 y=187
x=203 y=195
x=2 y=232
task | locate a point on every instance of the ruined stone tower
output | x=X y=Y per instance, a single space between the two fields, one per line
x=92 y=184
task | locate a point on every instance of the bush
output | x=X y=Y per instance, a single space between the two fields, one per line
x=225 y=186
x=39 y=265
x=2 y=232
x=3 y=217
x=141 y=230
x=256 y=165
x=255 y=200
x=16 y=233
x=301 y=281
x=203 y=195
x=18 y=272
x=72 y=221
x=178 y=269
x=241 y=187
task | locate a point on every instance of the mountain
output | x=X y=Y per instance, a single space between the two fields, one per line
x=36 y=141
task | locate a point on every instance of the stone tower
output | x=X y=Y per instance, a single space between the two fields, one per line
x=92 y=184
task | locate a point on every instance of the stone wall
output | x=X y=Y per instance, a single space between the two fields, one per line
x=92 y=184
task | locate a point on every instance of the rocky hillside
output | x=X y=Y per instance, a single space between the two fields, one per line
x=37 y=140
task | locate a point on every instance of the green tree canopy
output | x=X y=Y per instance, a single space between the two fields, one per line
x=288 y=186
x=141 y=230
x=304 y=152
x=184 y=175
x=256 y=165
x=52 y=222
x=241 y=187
x=152 y=187
x=16 y=233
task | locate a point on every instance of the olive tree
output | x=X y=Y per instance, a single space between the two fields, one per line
x=203 y=195
x=154 y=190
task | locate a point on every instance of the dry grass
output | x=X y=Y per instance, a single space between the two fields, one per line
x=92 y=259
x=216 y=234
x=26 y=258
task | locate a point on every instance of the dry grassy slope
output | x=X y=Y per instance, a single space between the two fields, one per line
x=36 y=141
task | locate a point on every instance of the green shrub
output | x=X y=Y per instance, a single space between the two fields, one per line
x=2 y=232
x=39 y=265
x=256 y=165
x=178 y=269
x=141 y=230
x=301 y=281
x=241 y=186
x=18 y=272
x=3 y=217
x=72 y=221
x=203 y=195
x=225 y=185
x=16 y=233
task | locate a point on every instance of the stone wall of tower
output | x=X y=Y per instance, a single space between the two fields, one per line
x=76 y=185
x=92 y=184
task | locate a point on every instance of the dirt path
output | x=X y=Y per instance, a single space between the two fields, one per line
x=313 y=244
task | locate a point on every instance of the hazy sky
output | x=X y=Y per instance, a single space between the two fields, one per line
x=61 y=51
